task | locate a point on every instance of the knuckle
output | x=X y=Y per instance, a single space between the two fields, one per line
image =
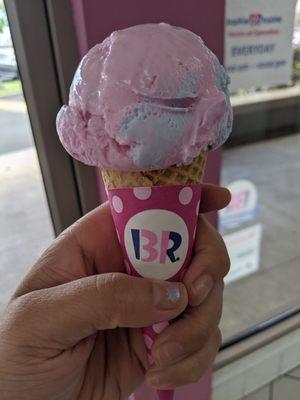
x=218 y=308
x=197 y=327
x=23 y=305
x=195 y=374
x=203 y=333
x=110 y=287
x=224 y=260
x=20 y=313
x=222 y=285
x=226 y=264
x=218 y=338
x=111 y=281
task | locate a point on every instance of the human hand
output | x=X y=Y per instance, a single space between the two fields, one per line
x=71 y=329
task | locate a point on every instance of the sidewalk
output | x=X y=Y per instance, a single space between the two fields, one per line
x=15 y=126
x=25 y=228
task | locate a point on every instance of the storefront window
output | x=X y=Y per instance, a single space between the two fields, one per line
x=25 y=227
x=261 y=165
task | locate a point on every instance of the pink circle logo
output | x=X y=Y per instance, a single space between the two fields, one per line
x=156 y=243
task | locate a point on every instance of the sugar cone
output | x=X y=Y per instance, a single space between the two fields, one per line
x=182 y=175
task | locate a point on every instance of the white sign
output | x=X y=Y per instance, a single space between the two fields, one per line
x=243 y=205
x=258 y=42
x=244 y=251
x=147 y=239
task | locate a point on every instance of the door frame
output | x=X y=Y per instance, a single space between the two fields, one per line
x=45 y=43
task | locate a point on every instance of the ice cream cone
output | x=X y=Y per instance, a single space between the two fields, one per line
x=174 y=175
x=171 y=98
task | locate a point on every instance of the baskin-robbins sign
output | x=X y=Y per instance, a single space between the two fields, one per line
x=258 y=42
x=243 y=206
x=156 y=227
x=241 y=231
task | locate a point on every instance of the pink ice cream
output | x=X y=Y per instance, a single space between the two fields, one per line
x=146 y=98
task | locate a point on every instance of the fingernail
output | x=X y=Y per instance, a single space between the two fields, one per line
x=169 y=352
x=166 y=295
x=202 y=287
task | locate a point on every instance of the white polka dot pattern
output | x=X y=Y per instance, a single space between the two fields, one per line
x=142 y=193
x=117 y=204
x=185 y=195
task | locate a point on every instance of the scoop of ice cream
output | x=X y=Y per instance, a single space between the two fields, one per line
x=146 y=98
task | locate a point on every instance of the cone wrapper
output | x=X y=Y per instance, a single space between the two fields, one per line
x=156 y=227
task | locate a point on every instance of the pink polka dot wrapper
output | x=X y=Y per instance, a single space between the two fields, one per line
x=156 y=228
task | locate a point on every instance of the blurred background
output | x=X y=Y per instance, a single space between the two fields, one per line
x=260 y=165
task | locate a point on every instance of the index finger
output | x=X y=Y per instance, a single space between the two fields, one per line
x=214 y=198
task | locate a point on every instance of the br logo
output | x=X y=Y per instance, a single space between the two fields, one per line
x=255 y=19
x=156 y=242
x=151 y=242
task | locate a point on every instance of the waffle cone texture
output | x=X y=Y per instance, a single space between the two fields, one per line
x=175 y=175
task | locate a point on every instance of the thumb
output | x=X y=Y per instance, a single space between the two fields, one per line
x=63 y=315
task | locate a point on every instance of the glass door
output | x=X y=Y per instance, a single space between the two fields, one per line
x=42 y=191
x=26 y=227
x=261 y=166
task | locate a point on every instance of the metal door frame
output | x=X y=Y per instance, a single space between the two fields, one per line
x=46 y=49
